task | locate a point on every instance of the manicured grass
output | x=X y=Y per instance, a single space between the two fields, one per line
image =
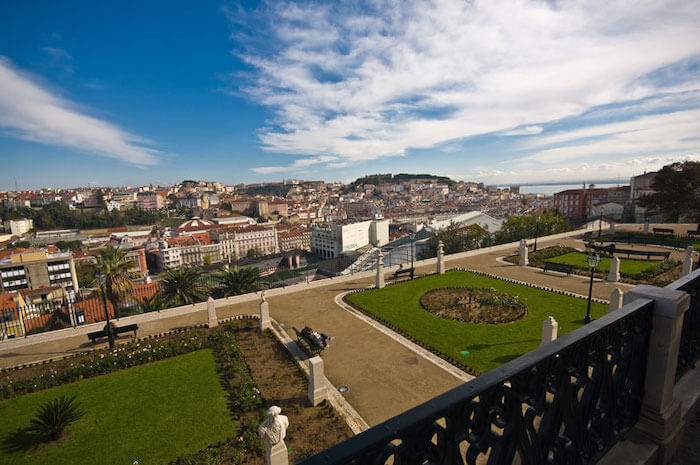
x=489 y=346
x=151 y=413
x=629 y=267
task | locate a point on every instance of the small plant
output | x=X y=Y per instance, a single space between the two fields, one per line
x=54 y=416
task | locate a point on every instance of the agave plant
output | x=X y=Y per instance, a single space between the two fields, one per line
x=54 y=416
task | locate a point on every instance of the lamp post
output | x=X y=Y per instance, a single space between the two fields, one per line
x=600 y=224
x=593 y=260
x=413 y=236
x=110 y=333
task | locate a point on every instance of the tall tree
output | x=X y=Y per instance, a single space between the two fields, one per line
x=236 y=281
x=183 y=286
x=455 y=238
x=114 y=266
x=677 y=193
x=537 y=224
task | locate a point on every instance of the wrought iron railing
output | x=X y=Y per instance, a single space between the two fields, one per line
x=566 y=402
x=689 y=349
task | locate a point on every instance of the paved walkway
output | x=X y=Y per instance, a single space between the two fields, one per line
x=384 y=376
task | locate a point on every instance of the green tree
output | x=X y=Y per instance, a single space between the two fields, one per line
x=236 y=281
x=151 y=304
x=252 y=253
x=677 y=193
x=537 y=224
x=86 y=272
x=183 y=286
x=455 y=238
x=206 y=260
x=69 y=245
x=114 y=267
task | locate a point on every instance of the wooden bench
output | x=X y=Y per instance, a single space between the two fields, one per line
x=643 y=253
x=313 y=346
x=693 y=233
x=115 y=330
x=401 y=271
x=663 y=231
x=562 y=267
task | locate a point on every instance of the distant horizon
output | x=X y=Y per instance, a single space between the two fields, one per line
x=501 y=92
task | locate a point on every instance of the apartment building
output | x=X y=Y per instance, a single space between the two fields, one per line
x=332 y=240
x=150 y=201
x=236 y=242
x=19 y=227
x=35 y=268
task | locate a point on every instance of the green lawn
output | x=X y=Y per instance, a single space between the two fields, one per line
x=629 y=267
x=489 y=346
x=152 y=413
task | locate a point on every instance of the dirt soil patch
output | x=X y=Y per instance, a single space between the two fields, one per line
x=473 y=305
x=282 y=383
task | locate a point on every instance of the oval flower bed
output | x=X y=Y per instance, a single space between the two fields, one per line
x=474 y=305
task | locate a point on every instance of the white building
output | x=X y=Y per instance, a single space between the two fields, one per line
x=333 y=240
x=487 y=222
x=19 y=227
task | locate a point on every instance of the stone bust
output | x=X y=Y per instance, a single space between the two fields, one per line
x=274 y=429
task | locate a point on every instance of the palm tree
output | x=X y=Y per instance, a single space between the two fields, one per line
x=236 y=281
x=183 y=286
x=151 y=304
x=114 y=266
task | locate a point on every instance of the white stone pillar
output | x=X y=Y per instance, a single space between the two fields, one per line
x=615 y=299
x=317 y=381
x=660 y=416
x=213 y=321
x=380 y=271
x=289 y=262
x=265 y=322
x=612 y=228
x=688 y=262
x=273 y=431
x=441 y=258
x=614 y=274
x=297 y=261
x=550 y=328
x=523 y=253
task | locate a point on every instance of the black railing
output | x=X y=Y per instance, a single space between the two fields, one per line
x=566 y=402
x=689 y=349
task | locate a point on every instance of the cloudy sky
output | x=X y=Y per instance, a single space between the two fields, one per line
x=496 y=91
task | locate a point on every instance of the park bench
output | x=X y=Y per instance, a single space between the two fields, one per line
x=401 y=271
x=663 y=231
x=115 y=330
x=313 y=346
x=643 y=253
x=693 y=233
x=562 y=267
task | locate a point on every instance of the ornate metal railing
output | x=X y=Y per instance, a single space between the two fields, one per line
x=566 y=402
x=689 y=349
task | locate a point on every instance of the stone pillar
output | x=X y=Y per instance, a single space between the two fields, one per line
x=213 y=321
x=148 y=279
x=612 y=228
x=646 y=227
x=441 y=258
x=264 y=313
x=550 y=327
x=380 y=270
x=289 y=262
x=615 y=299
x=660 y=417
x=297 y=261
x=523 y=253
x=688 y=262
x=614 y=274
x=273 y=431
x=317 y=381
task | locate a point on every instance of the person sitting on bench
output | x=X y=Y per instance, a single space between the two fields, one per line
x=320 y=338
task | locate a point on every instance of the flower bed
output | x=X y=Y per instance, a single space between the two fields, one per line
x=485 y=306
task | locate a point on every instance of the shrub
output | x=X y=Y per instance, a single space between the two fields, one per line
x=54 y=416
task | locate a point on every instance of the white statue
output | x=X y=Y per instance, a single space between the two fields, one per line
x=274 y=429
x=262 y=296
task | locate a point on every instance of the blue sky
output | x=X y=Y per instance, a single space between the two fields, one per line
x=128 y=93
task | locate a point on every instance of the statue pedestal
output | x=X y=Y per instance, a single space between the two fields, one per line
x=277 y=454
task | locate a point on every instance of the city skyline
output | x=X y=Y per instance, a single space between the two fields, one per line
x=498 y=92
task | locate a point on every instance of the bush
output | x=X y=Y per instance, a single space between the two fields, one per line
x=54 y=416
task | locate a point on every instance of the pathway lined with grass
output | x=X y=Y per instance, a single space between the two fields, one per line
x=151 y=413
x=630 y=267
x=481 y=347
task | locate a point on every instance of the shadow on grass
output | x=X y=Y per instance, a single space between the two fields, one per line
x=505 y=358
x=486 y=346
x=21 y=440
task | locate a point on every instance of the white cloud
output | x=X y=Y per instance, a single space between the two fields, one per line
x=30 y=111
x=364 y=84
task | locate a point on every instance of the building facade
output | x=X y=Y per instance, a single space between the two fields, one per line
x=37 y=268
x=150 y=201
x=333 y=240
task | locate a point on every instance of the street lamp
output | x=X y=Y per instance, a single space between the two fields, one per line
x=593 y=260
x=413 y=237
x=600 y=223
x=110 y=334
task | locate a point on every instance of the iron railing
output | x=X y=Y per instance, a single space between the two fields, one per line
x=689 y=349
x=566 y=402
